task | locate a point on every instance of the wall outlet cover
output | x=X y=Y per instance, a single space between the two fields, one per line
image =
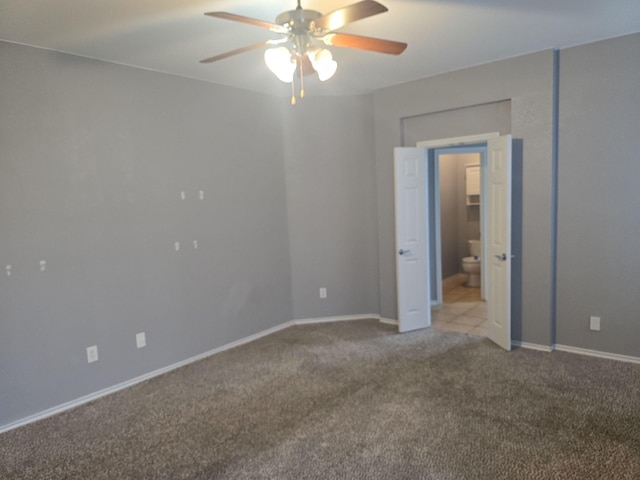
x=594 y=323
x=92 y=354
x=141 y=340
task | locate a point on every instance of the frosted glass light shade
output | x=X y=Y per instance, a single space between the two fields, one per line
x=281 y=63
x=323 y=63
x=327 y=70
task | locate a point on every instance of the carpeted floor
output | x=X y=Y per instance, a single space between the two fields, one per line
x=351 y=400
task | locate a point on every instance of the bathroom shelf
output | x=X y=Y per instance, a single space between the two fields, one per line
x=472 y=184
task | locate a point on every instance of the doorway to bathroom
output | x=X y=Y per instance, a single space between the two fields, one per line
x=459 y=303
x=418 y=272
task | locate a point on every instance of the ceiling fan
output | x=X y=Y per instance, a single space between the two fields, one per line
x=304 y=33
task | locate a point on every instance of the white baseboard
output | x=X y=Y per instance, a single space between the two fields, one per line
x=120 y=386
x=596 y=353
x=129 y=383
x=577 y=350
x=343 y=318
x=533 y=346
x=388 y=321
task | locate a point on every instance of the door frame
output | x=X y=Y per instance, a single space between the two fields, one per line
x=463 y=143
x=481 y=151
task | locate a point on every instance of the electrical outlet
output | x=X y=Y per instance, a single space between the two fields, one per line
x=323 y=292
x=92 y=354
x=141 y=340
x=594 y=323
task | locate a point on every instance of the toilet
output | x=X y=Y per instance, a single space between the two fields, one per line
x=471 y=265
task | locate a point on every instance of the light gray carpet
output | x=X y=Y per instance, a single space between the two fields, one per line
x=351 y=400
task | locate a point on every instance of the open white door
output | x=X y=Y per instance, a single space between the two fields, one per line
x=412 y=259
x=498 y=246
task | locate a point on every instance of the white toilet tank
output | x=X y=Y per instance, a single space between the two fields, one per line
x=474 y=248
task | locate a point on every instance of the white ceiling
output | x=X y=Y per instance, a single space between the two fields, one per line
x=443 y=35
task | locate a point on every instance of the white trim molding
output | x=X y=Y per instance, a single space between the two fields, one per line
x=307 y=321
x=129 y=383
x=388 y=321
x=343 y=318
x=596 y=353
x=533 y=346
x=577 y=350
x=457 y=141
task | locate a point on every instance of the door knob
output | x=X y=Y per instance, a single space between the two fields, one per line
x=404 y=252
x=502 y=257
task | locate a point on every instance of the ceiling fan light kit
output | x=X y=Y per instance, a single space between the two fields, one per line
x=305 y=33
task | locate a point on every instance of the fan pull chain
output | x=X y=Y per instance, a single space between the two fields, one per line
x=301 y=79
x=293 y=94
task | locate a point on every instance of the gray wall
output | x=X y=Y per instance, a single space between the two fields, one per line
x=599 y=196
x=489 y=117
x=527 y=82
x=93 y=159
x=330 y=177
x=448 y=173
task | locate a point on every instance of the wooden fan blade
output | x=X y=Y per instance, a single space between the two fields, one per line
x=357 y=11
x=364 y=43
x=235 y=52
x=274 y=27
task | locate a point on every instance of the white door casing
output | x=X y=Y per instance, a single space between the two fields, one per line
x=411 y=176
x=480 y=142
x=412 y=241
x=498 y=246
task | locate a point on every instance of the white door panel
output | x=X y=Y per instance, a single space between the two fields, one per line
x=412 y=260
x=498 y=249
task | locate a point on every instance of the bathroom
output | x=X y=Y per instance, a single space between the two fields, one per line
x=463 y=309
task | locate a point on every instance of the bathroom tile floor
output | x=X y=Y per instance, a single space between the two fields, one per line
x=463 y=310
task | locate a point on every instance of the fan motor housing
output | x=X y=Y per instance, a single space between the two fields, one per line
x=298 y=20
